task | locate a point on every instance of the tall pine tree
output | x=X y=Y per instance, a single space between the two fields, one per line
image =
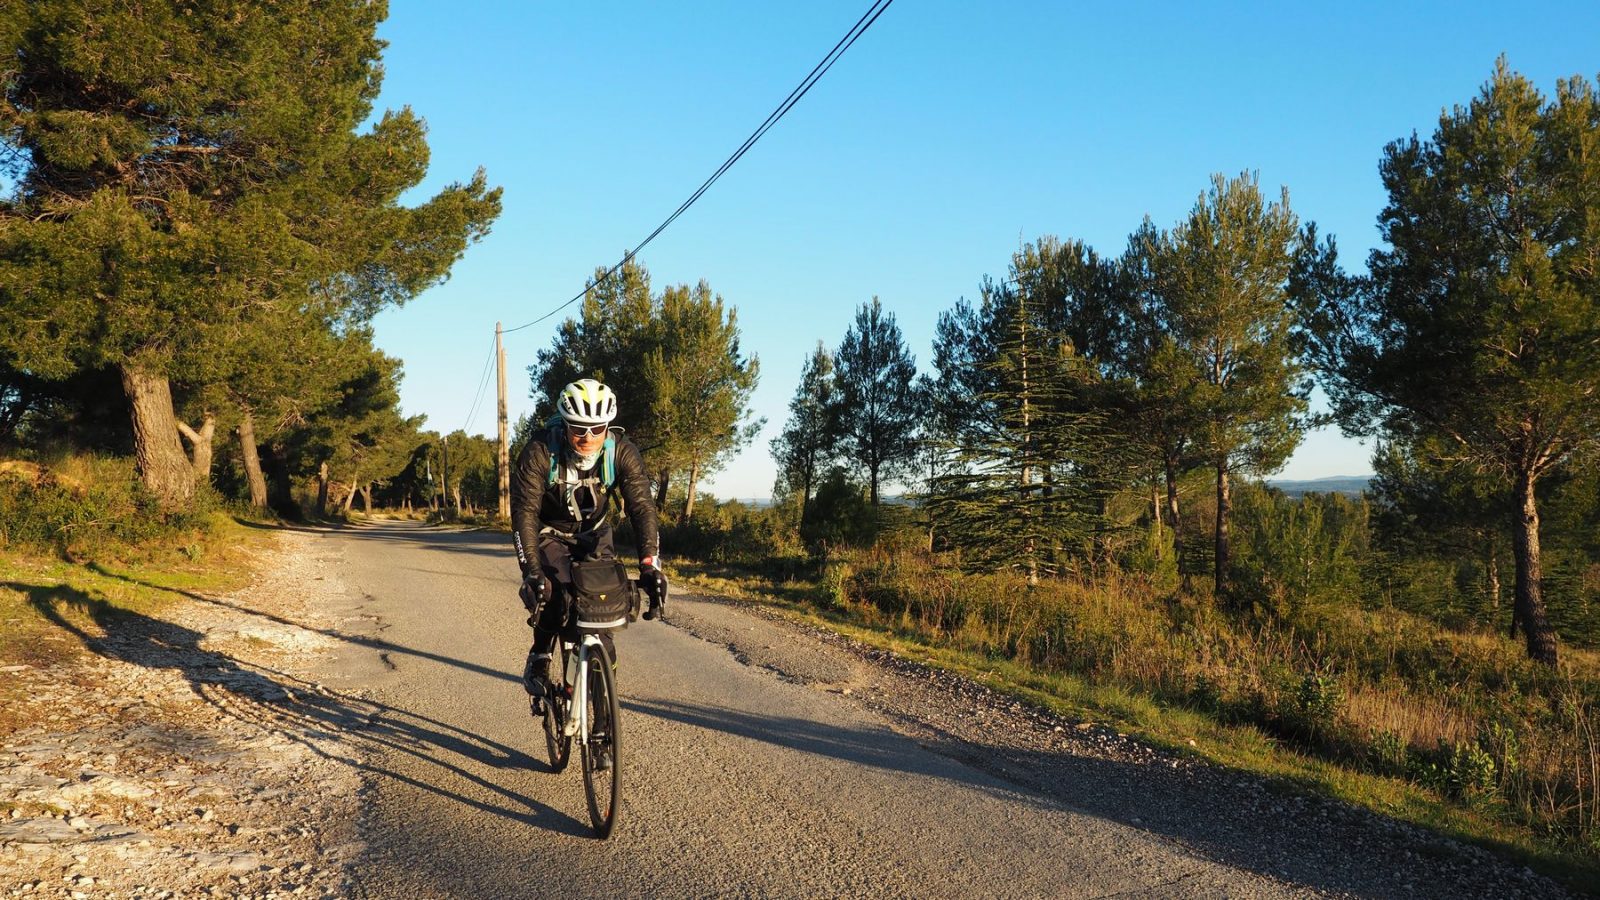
x=699 y=383
x=1479 y=325
x=880 y=408
x=1221 y=280
x=179 y=170
x=806 y=444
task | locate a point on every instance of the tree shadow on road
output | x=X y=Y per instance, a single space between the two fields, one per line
x=447 y=538
x=382 y=647
x=1229 y=818
x=352 y=730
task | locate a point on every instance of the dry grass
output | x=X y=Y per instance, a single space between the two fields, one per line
x=1421 y=722
x=1463 y=713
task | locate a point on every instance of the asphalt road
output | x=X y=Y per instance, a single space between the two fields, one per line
x=736 y=782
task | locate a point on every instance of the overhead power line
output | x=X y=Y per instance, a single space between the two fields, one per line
x=805 y=85
x=483 y=382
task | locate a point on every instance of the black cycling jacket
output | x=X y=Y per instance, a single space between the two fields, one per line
x=536 y=504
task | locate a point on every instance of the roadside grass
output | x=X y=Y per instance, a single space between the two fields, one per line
x=1134 y=698
x=45 y=598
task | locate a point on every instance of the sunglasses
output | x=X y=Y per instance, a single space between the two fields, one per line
x=582 y=430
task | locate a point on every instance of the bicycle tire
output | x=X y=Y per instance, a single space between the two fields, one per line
x=602 y=787
x=556 y=710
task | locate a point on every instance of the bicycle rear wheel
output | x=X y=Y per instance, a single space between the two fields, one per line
x=602 y=764
x=557 y=709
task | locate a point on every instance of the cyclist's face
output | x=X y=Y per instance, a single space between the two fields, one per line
x=585 y=441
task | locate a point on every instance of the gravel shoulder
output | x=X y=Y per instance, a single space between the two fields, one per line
x=1321 y=846
x=188 y=755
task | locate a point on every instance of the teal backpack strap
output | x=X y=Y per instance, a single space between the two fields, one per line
x=553 y=441
x=608 y=464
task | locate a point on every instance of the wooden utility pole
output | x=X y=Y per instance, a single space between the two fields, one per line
x=503 y=462
x=444 y=473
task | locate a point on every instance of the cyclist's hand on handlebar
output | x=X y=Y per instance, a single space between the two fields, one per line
x=655 y=586
x=535 y=589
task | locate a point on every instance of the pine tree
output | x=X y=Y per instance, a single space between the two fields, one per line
x=359 y=435
x=804 y=448
x=179 y=172
x=1156 y=414
x=1016 y=495
x=699 y=384
x=1022 y=403
x=1479 y=324
x=1221 y=303
x=880 y=409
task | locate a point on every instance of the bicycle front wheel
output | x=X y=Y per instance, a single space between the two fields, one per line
x=602 y=764
x=557 y=710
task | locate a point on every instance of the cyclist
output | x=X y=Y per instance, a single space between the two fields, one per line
x=558 y=515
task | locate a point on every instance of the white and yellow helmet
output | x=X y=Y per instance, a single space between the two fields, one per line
x=586 y=402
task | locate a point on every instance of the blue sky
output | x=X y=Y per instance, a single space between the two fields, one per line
x=951 y=133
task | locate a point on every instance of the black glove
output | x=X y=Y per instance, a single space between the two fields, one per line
x=535 y=590
x=655 y=586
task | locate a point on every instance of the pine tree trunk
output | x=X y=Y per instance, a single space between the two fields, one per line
x=1491 y=568
x=874 y=488
x=322 y=491
x=694 y=478
x=1156 y=520
x=1224 y=508
x=805 y=494
x=662 y=483
x=163 y=466
x=252 y=460
x=350 y=498
x=1530 y=609
x=1172 y=512
x=200 y=447
x=366 y=498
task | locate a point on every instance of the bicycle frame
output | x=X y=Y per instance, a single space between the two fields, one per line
x=577 y=724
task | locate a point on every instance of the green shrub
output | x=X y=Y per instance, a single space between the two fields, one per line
x=88 y=508
x=1313 y=706
x=732 y=533
x=1463 y=770
x=1388 y=751
x=835 y=583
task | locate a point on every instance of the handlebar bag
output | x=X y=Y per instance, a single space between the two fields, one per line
x=602 y=594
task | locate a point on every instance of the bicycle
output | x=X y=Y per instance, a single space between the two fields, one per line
x=583 y=707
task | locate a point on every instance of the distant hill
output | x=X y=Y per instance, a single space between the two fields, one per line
x=1349 y=485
